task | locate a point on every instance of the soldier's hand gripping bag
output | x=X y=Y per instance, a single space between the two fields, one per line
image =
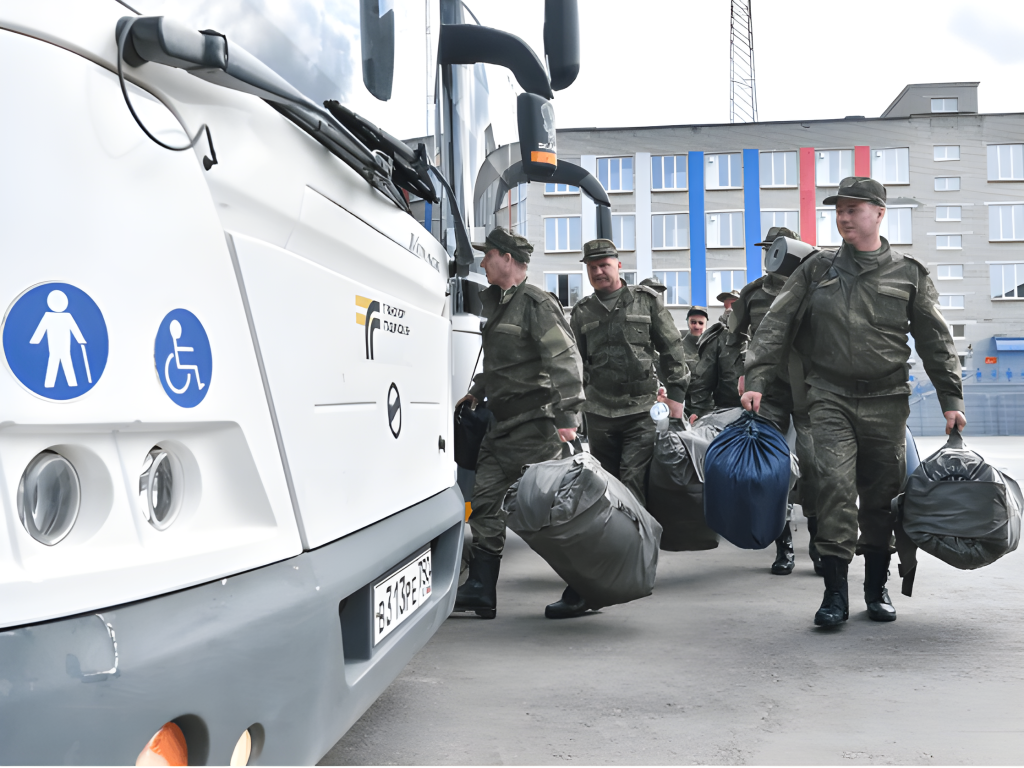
x=748 y=471
x=957 y=507
x=471 y=424
x=588 y=527
x=675 y=488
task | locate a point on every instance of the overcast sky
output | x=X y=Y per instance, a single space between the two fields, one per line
x=648 y=62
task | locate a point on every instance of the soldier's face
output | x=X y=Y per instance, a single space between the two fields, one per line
x=497 y=266
x=604 y=273
x=728 y=304
x=858 y=220
x=696 y=325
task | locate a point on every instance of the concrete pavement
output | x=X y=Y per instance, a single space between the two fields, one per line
x=722 y=664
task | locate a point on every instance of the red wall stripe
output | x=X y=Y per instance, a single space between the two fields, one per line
x=861 y=161
x=808 y=222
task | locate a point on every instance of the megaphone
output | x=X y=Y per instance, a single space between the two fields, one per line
x=786 y=254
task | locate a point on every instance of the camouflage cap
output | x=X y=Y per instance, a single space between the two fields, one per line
x=599 y=249
x=725 y=295
x=697 y=311
x=507 y=242
x=778 y=232
x=650 y=282
x=859 y=188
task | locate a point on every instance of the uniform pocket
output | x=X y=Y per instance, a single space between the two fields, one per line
x=638 y=329
x=512 y=330
x=891 y=306
x=589 y=327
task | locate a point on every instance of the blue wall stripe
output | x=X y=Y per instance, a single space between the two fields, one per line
x=698 y=244
x=752 y=210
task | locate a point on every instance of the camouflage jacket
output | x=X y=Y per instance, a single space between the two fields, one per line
x=853 y=337
x=716 y=381
x=531 y=367
x=619 y=347
x=751 y=307
x=692 y=357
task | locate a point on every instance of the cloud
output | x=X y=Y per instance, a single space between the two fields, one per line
x=991 y=34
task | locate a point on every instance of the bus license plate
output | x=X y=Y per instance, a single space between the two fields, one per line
x=400 y=595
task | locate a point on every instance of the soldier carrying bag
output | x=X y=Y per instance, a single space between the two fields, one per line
x=471 y=424
x=957 y=507
x=588 y=527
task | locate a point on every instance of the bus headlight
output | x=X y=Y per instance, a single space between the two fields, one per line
x=160 y=488
x=49 y=497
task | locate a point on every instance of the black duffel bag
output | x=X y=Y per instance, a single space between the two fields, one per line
x=957 y=507
x=675 y=487
x=471 y=424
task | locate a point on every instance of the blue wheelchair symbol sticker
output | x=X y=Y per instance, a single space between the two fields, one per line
x=184 y=361
x=55 y=341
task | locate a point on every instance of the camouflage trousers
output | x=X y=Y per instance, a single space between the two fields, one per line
x=502 y=458
x=624 y=445
x=860 y=450
x=777 y=405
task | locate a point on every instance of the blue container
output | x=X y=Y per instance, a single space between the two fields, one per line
x=746 y=483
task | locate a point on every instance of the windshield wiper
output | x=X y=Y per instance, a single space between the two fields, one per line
x=206 y=55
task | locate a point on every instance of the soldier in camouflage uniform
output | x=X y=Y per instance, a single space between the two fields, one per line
x=748 y=312
x=532 y=378
x=696 y=319
x=850 y=312
x=621 y=331
x=715 y=383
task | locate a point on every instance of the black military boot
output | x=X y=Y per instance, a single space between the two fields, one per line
x=835 y=607
x=812 y=548
x=570 y=606
x=784 y=559
x=876 y=571
x=480 y=592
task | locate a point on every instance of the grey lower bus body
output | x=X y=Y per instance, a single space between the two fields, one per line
x=285 y=650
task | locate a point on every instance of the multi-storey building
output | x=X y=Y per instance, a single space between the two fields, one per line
x=690 y=201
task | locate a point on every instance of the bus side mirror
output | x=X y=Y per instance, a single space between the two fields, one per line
x=562 y=41
x=377 y=41
x=537 y=135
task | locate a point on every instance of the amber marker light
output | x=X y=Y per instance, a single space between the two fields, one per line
x=167 y=747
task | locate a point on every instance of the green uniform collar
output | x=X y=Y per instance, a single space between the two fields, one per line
x=506 y=295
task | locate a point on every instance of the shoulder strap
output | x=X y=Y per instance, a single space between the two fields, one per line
x=795 y=363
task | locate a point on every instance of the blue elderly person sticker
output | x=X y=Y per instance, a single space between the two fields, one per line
x=184 y=360
x=55 y=341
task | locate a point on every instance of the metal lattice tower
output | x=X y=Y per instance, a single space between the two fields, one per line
x=742 y=86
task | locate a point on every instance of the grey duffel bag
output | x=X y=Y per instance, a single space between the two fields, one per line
x=588 y=527
x=957 y=507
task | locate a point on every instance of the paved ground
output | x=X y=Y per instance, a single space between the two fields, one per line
x=720 y=665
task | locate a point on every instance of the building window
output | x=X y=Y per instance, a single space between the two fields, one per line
x=1006 y=162
x=947 y=152
x=944 y=105
x=949 y=242
x=947 y=183
x=951 y=301
x=562 y=233
x=568 y=287
x=670 y=230
x=948 y=213
x=668 y=172
x=628 y=276
x=624 y=231
x=828 y=232
x=678 y=284
x=1007 y=281
x=950 y=271
x=788 y=219
x=891 y=166
x=725 y=229
x=958 y=330
x=778 y=169
x=896 y=226
x=725 y=171
x=615 y=173
x=561 y=189
x=723 y=282
x=1006 y=222
x=833 y=165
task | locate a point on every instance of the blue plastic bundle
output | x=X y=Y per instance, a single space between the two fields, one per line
x=747 y=477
